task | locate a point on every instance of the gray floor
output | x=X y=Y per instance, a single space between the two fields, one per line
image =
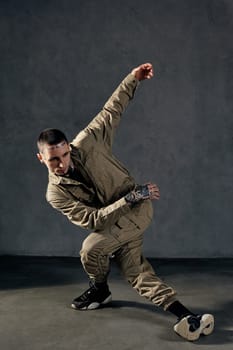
x=35 y=312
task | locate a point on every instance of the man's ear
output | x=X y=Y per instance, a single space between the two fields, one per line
x=40 y=158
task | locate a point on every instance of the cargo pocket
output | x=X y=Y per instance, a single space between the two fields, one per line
x=142 y=214
x=125 y=229
x=125 y=223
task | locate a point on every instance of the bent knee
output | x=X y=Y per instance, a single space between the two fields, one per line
x=91 y=245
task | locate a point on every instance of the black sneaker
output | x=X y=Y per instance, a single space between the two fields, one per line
x=191 y=327
x=93 y=297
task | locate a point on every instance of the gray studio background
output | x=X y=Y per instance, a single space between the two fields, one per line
x=60 y=61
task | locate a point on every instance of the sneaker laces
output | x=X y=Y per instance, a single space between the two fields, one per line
x=194 y=322
x=92 y=288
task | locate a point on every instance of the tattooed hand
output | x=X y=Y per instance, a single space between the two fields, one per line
x=142 y=192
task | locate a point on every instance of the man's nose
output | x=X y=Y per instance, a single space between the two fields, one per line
x=61 y=165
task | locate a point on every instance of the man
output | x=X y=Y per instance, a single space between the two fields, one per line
x=93 y=189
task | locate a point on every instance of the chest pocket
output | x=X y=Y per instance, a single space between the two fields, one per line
x=82 y=193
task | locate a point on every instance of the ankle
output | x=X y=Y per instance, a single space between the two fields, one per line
x=100 y=284
x=179 y=310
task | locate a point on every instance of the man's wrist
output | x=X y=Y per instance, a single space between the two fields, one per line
x=130 y=197
x=139 y=193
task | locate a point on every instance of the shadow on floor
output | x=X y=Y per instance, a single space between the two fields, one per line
x=33 y=272
x=223 y=333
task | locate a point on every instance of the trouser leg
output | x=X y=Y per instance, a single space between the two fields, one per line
x=99 y=246
x=141 y=275
x=96 y=251
x=125 y=240
x=95 y=255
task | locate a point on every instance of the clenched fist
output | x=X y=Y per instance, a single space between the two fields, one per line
x=144 y=71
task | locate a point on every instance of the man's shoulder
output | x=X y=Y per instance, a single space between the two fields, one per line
x=55 y=192
x=81 y=140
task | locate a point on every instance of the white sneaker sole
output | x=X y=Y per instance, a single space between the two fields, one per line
x=94 y=305
x=206 y=327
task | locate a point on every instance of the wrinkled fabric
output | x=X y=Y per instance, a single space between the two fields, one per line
x=102 y=204
x=97 y=203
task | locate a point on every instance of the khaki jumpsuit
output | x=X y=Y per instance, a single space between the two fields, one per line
x=96 y=202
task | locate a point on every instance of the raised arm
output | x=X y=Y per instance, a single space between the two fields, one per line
x=124 y=93
x=103 y=126
x=144 y=71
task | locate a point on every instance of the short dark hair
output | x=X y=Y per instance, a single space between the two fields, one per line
x=50 y=137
